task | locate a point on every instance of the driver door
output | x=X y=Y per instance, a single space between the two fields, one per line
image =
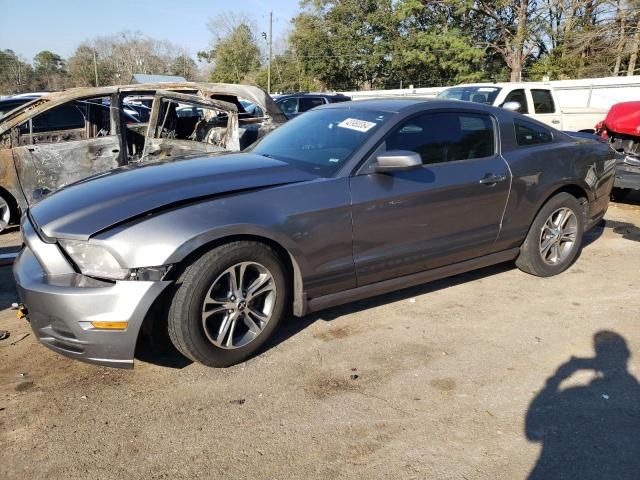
x=446 y=211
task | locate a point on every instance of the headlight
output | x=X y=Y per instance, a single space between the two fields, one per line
x=94 y=260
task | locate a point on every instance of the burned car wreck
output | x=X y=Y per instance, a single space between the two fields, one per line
x=66 y=136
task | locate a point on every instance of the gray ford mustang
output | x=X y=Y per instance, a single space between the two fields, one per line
x=347 y=201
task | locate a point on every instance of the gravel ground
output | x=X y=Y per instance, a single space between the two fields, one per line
x=431 y=382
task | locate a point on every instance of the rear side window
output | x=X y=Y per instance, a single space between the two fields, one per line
x=307 y=103
x=530 y=134
x=543 y=101
x=445 y=137
x=520 y=97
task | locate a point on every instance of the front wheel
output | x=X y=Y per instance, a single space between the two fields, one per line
x=5 y=213
x=227 y=304
x=554 y=238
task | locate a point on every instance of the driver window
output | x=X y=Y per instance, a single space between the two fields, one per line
x=443 y=137
x=76 y=120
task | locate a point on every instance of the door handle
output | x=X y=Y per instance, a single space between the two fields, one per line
x=491 y=179
x=115 y=150
x=555 y=121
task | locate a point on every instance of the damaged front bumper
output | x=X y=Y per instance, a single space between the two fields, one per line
x=81 y=317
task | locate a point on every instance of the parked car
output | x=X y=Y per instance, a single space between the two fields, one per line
x=66 y=136
x=537 y=100
x=344 y=202
x=252 y=109
x=621 y=128
x=9 y=103
x=294 y=104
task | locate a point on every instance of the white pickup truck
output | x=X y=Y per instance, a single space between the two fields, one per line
x=537 y=100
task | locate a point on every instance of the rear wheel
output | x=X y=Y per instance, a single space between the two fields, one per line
x=554 y=238
x=228 y=303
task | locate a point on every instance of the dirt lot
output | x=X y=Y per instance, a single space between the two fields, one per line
x=430 y=382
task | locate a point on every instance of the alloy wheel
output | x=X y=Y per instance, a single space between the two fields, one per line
x=238 y=305
x=558 y=236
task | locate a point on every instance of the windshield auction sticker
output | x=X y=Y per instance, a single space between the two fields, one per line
x=355 y=124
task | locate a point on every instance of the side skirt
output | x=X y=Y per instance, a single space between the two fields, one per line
x=399 y=283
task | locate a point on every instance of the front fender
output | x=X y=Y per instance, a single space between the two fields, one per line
x=310 y=220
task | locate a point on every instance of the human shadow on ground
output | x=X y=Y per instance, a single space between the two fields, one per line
x=590 y=431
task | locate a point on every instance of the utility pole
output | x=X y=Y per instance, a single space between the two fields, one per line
x=95 y=66
x=270 y=44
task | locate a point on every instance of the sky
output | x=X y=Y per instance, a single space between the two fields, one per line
x=30 y=26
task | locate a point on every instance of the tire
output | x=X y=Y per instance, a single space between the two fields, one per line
x=538 y=254
x=209 y=323
x=7 y=211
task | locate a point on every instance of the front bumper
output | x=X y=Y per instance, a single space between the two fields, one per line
x=61 y=307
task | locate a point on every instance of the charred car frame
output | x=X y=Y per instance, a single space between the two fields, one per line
x=63 y=137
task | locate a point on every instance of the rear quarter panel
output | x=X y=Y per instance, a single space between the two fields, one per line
x=540 y=171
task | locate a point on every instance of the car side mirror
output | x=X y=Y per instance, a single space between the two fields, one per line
x=512 y=106
x=396 y=161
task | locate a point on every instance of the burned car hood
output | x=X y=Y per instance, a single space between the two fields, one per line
x=97 y=203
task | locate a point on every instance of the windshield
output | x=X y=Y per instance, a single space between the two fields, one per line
x=321 y=141
x=485 y=95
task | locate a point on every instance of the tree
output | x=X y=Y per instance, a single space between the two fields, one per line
x=16 y=74
x=346 y=44
x=511 y=28
x=49 y=70
x=184 y=66
x=586 y=38
x=352 y=44
x=432 y=48
x=235 y=52
x=82 y=66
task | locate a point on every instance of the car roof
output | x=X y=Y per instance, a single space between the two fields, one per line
x=310 y=94
x=17 y=99
x=502 y=85
x=251 y=93
x=399 y=104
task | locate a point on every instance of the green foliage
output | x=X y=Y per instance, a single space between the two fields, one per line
x=234 y=56
x=287 y=75
x=353 y=44
x=346 y=44
x=15 y=74
x=184 y=66
x=370 y=44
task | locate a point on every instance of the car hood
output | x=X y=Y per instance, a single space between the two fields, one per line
x=97 y=203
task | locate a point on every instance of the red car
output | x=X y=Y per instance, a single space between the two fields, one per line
x=622 y=128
